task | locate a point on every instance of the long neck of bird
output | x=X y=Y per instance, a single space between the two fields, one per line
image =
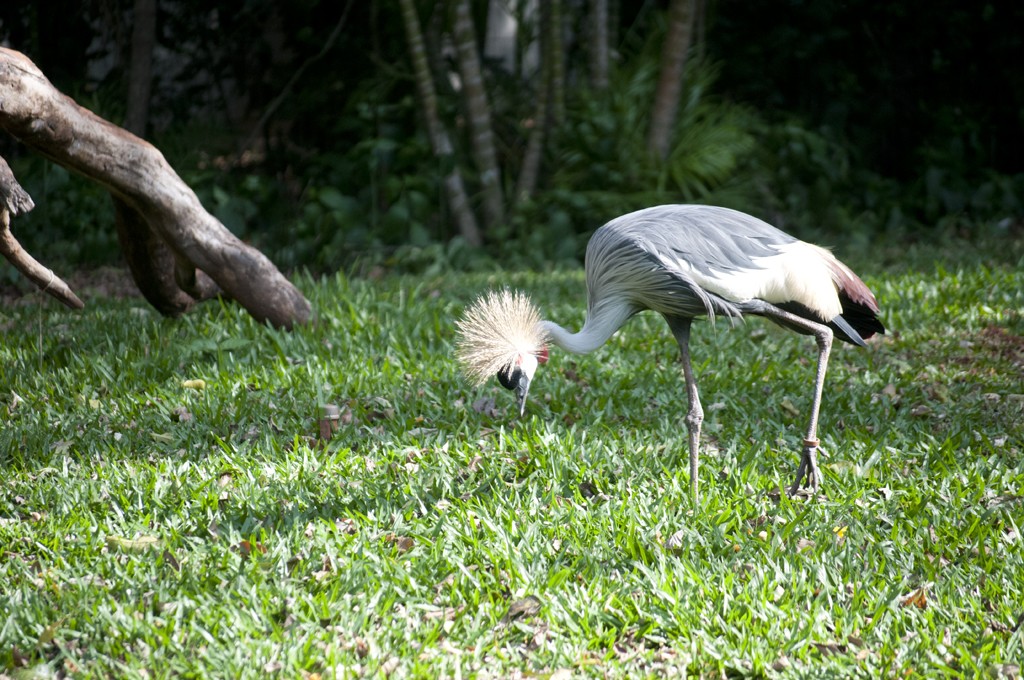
x=601 y=323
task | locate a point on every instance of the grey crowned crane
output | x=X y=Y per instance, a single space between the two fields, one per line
x=684 y=262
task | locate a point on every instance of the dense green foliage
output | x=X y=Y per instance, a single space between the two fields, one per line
x=154 y=526
x=832 y=117
x=911 y=86
x=904 y=113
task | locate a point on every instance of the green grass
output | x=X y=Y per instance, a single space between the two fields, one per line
x=152 y=529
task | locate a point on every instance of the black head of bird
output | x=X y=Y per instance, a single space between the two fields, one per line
x=684 y=262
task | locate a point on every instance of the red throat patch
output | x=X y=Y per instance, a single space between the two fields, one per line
x=541 y=355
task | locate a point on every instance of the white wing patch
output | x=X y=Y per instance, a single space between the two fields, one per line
x=800 y=272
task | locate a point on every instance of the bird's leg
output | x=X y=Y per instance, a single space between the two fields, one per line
x=823 y=337
x=695 y=416
x=809 y=458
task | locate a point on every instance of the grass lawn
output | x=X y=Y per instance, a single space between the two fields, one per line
x=166 y=508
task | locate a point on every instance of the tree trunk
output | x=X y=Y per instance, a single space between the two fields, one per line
x=140 y=68
x=598 y=44
x=670 y=81
x=700 y=25
x=151 y=199
x=557 y=59
x=455 y=189
x=529 y=171
x=481 y=132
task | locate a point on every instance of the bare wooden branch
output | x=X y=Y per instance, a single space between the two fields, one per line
x=150 y=261
x=14 y=200
x=13 y=197
x=48 y=282
x=138 y=175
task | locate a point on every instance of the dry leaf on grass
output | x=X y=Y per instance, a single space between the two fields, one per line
x=390 y=666
x=676 y=541
x=444 y=613
x=180 y=414
x=247 y=548
x=486 y=406
x=402 y=543
x=171 y=561
x=830 y=648
x=326 y=570
x=378 y=408
x=916 y=598
x=887 y=391
x=1009 y=671
x=789 y=408
x=346 y=525
x=522 y=609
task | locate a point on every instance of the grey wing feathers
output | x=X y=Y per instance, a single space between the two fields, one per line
x=650 y=251
x=709 y=238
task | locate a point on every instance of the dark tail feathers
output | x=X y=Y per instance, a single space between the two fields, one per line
x=859 y=318
x=857 y=323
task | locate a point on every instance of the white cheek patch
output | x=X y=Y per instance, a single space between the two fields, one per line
x=528 y=365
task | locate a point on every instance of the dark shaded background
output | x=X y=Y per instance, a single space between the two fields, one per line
x=902 y=82
x=903 y=119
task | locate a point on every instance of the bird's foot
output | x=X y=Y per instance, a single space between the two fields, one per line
x=802 y=493
x=808 y=475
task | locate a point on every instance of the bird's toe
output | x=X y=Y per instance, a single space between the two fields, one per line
x=808 y=475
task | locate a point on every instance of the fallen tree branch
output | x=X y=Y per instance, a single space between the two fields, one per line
x=148 y=191
x=14 y=200
x=48 y=282
x=151 y=263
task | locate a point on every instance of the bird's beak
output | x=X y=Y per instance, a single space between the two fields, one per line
x=527 y=369
x=521 y=390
